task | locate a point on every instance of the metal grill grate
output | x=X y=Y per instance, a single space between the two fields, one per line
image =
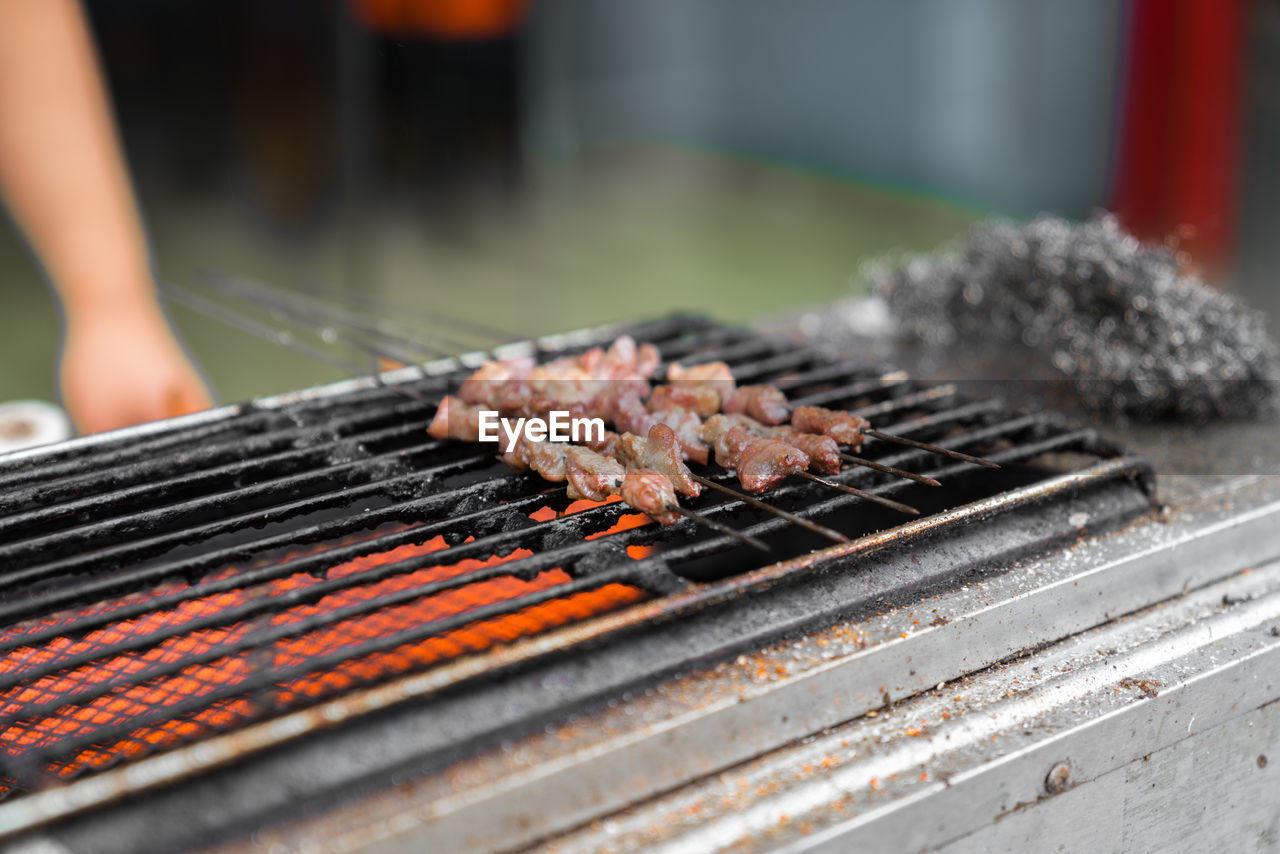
x=161 y=586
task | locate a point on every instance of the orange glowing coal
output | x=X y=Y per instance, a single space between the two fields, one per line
x=81 y=720
x=625 y=522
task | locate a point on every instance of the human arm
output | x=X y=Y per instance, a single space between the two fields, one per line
x=64 y=179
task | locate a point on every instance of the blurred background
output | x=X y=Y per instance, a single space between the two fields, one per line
x=547 y=165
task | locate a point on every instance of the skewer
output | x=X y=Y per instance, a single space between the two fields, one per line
x=299 y=308
x=374 y=349
x=282 y=337
x=872 y=464
x=719 y=526
x=822 y=530
x=925 y=446
x=244 y=323
x=380 y=306
x=866 y=496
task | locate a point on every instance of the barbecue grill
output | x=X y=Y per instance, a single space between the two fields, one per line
x=303 y=622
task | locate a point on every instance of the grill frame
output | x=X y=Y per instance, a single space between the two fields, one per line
x=183 y=761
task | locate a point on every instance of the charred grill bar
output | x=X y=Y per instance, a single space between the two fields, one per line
x=170 y=593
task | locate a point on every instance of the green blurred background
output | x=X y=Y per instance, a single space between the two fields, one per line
x=622 y=232
x=576 y=162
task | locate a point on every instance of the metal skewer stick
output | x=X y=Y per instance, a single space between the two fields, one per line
x=381 y=307
x=298 y=307
x=719 y=526
x=925 y=446
x=282 y=337
x=822 y=530
x=866 y=496
x=374 y=349
x=872 y=464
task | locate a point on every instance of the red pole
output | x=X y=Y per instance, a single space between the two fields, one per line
x=1179 y=151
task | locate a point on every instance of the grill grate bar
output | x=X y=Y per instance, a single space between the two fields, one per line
x=183 y=466
x=243 y=452
x=706 y=346
x=841 y=371
x=219 y=478
x=252 y=420
x=312 y=564
x=771 y=363
x=524 y=568
x=129 y=450
x=352 y=473
x=156 y=670
x=837 y=501
x=270 y=679
x=121 y=451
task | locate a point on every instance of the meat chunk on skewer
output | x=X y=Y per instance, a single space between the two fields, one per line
x=845 y=427
x=762 y=462
x=506 y=378
x=591 y=475
x=764 y=403
x=713 y=373
x=701 y=399
x=698 y=388
x=549 y=459
x=455 y=419
x=581 y=378
x=595 y=477
x=606 y=445
x=688 y=429
x=629 y=415
x=718 y=431
x=626 y=359
x=651 y=493
x=661 y=452
x=647 y=360
x=823 y=451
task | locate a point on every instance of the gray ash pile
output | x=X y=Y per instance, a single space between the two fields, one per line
x=1132 y=332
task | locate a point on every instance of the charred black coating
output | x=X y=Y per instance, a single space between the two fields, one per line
x=1119 y=318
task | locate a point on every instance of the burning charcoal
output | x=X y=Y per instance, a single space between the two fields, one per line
x=1133 y=332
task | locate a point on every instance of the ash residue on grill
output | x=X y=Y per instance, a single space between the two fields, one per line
x=1133 y=331
x=196 y=580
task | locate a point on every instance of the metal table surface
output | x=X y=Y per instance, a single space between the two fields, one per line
x=928 y=724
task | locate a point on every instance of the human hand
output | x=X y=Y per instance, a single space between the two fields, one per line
x=121 y=365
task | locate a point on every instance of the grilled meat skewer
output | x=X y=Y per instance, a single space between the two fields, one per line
x=823 y=451
x=764 y=403
x=595 y=475
x=815 y=432
x=512 y=384
x=845 y=427
x=590 y=473
x=761 y=462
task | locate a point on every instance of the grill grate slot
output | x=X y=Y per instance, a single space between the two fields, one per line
x=169 y=584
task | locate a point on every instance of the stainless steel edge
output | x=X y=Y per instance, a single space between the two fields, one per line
x=599 y=765
x=958 y=766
